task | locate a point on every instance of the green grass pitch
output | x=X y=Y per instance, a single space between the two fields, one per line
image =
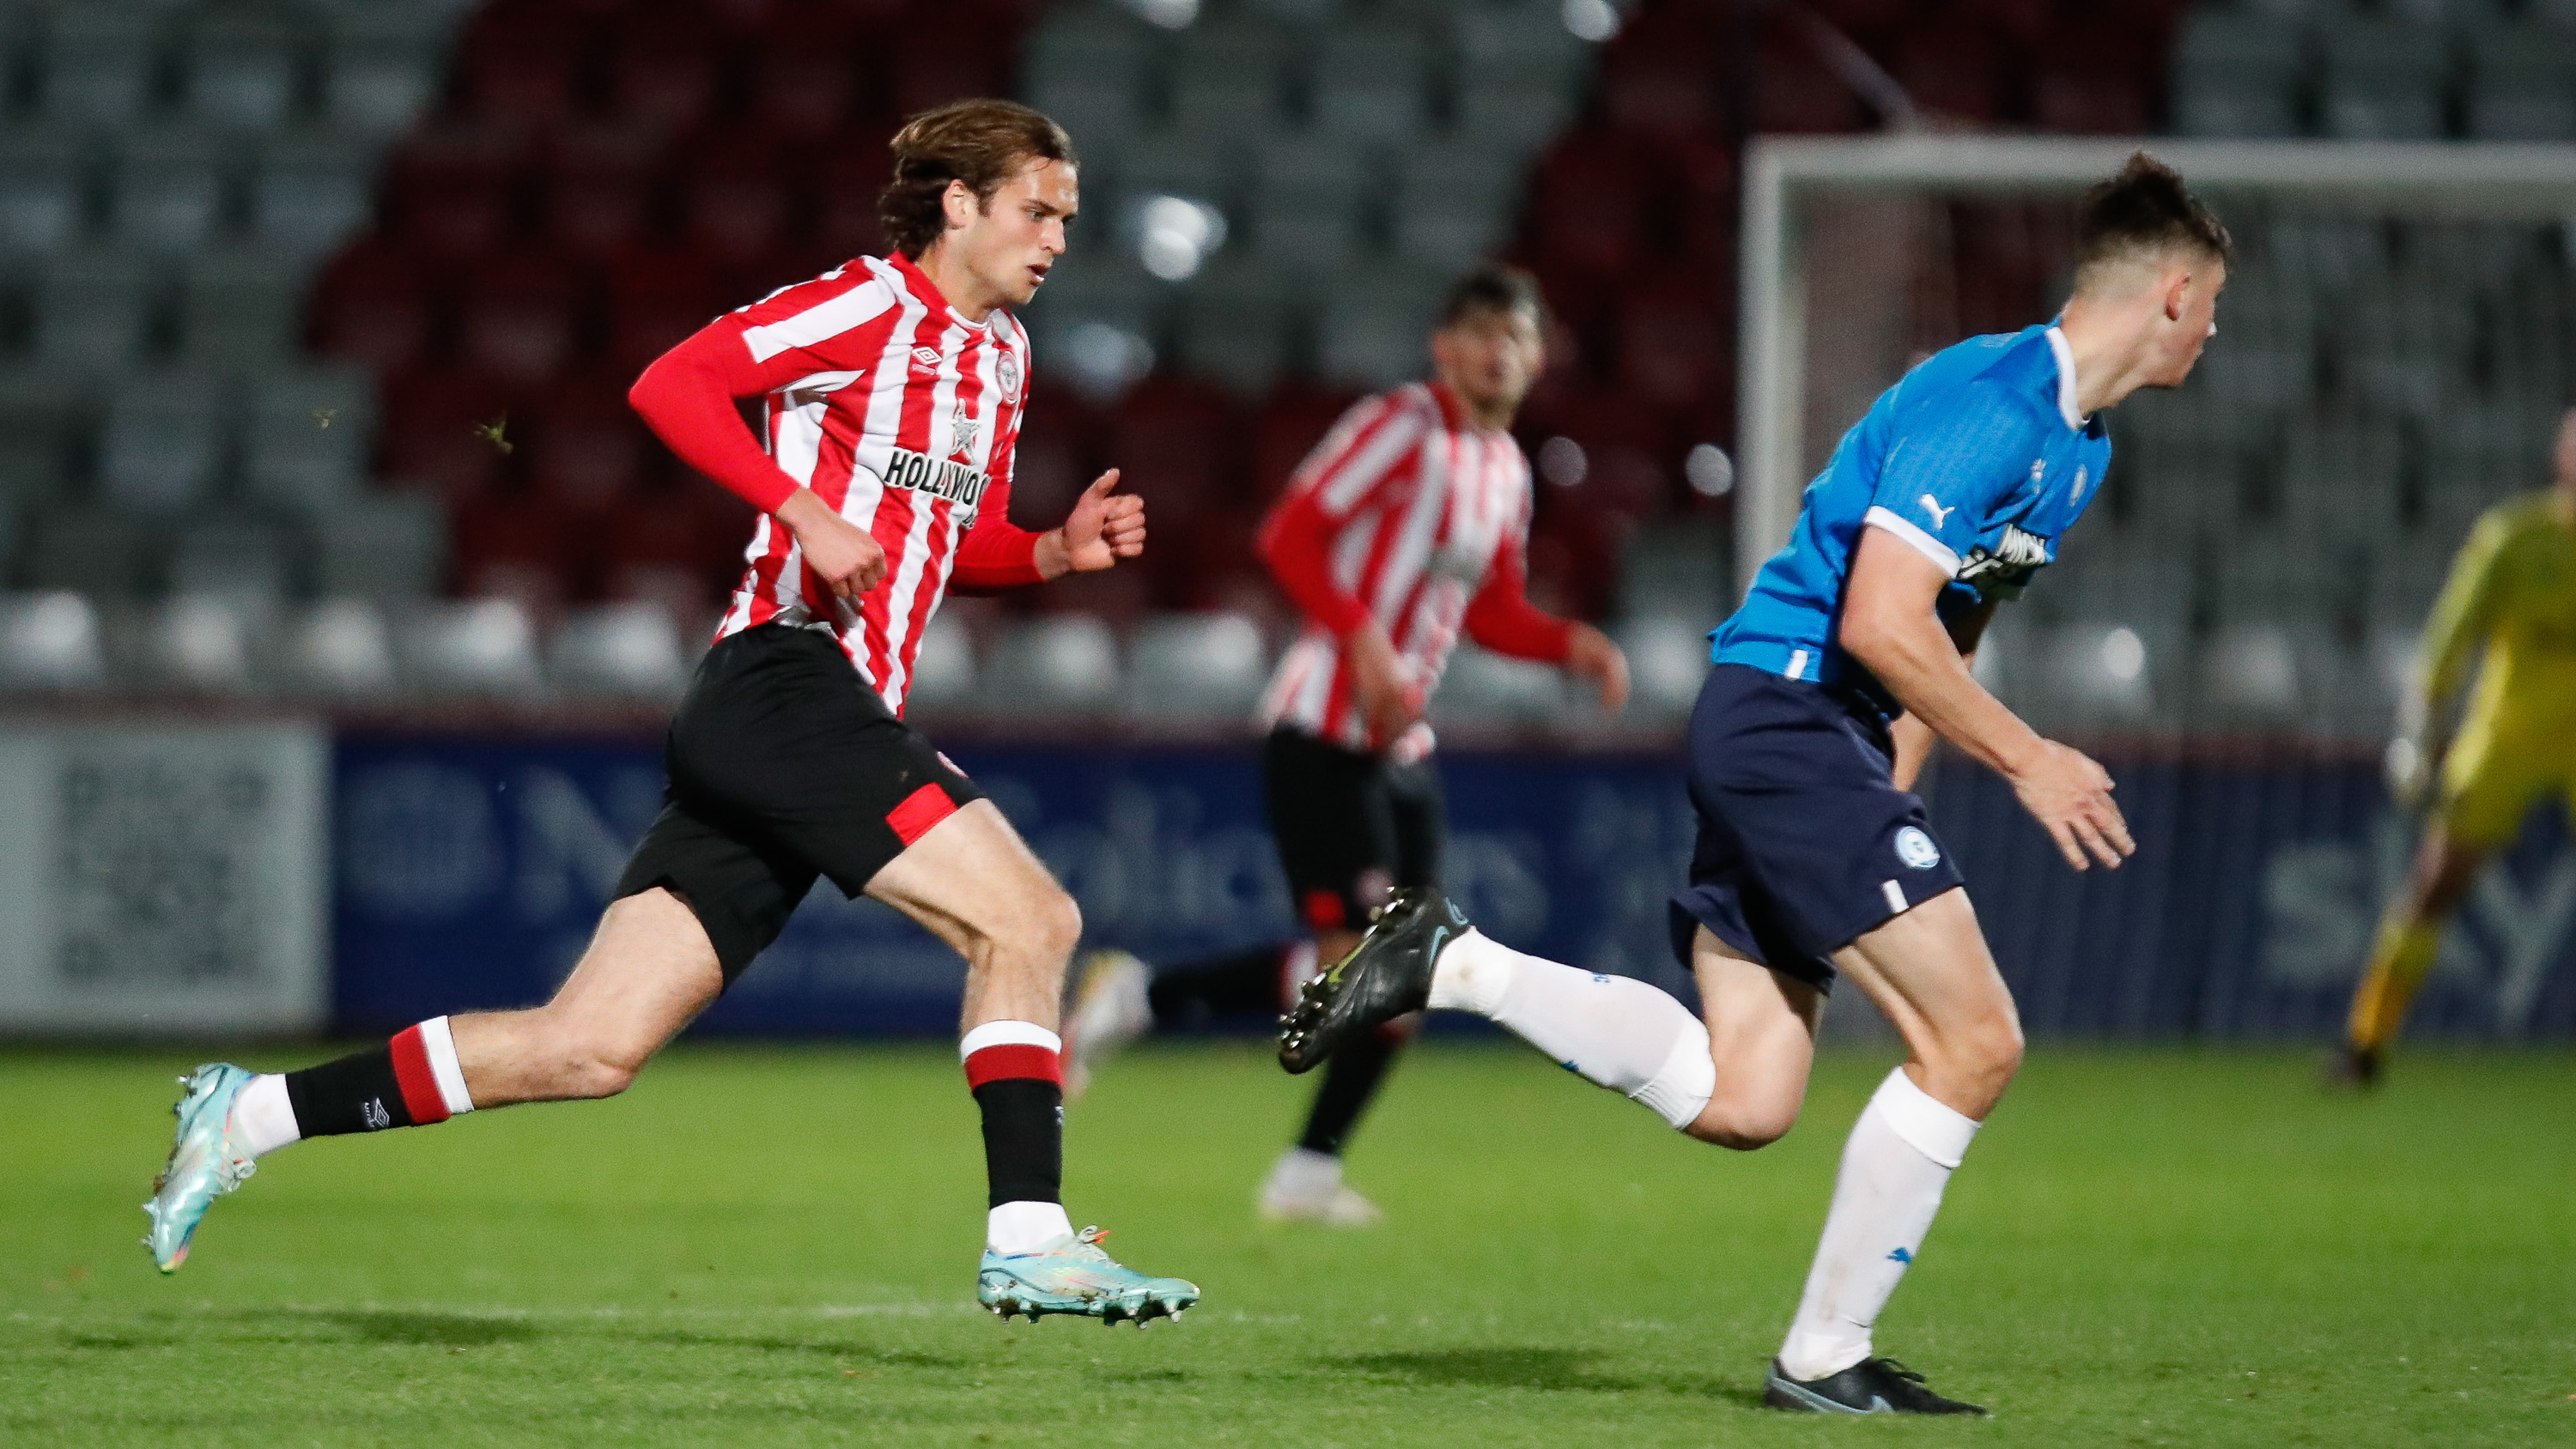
x=776 y=1247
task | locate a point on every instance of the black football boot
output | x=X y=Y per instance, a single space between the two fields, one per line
x=1386 y=975
x=1871 y=1386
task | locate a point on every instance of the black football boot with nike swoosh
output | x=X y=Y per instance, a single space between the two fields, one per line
x=1386 y=975
x=1871 y=1386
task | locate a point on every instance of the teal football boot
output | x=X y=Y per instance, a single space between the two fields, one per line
x=205 y=1161
x=1073 y=1275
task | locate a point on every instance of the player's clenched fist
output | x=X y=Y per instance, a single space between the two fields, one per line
x=1104 y=527
x=2070 y=795
x=838 y=552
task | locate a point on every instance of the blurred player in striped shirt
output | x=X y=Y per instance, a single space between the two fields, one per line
x=890 y=391
x=1408 y=525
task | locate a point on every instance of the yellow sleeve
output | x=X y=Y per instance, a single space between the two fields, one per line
x=2464 y=612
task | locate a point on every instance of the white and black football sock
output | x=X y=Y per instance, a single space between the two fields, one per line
x=1014 y=1068
x=414 y=1080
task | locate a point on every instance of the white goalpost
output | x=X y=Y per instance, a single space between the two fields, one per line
x=2396 y=343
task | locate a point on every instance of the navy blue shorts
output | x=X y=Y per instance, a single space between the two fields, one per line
x=1805 y=843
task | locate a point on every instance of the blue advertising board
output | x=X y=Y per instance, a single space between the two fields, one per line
x=469 y=873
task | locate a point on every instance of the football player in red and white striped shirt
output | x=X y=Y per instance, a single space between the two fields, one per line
x=891 y=391
x=1406 y=527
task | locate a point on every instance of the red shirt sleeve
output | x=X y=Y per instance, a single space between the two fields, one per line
x=995 y=554
x=687 y=396
x=1374 y=445
x=1502 y=618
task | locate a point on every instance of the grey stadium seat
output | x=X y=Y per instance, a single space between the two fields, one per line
x=42 y=415
x=1667 y=662
x=1307 y=208
x=468 y=646
x=42 y=183
x=49 y=640
x=233 y=555
x=1226 y=78
x=1372 y=82
x=161 y=442
x=92 y=306
x=168 y=187
x=97 y=551
x=306 y=441
x=2237 y=72
x=340 y=646
x=199 y=641
x=2522 y=83
x=242 y=66
x=1487 y=688
x=2384 y=79
x=312 y=191
x=381 y=546
x=384 y=62
x=1059 y=662
x=1236 y=327
x=943 y=672
x=630 y=648
x=241 y=309
x=99 y=57
x=1197 y=666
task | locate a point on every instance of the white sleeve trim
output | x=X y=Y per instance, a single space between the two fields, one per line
x=1923 y=543
x=2065 y=355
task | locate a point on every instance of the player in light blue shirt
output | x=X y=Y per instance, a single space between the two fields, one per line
x=1814 y=859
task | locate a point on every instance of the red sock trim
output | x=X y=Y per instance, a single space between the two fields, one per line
x=419 y=1084
x=920 y=810
x=1002 y=1063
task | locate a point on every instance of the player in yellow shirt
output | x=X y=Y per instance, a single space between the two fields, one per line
x=2510 y=604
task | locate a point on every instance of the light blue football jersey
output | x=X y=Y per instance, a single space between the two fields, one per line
x=1977 y=458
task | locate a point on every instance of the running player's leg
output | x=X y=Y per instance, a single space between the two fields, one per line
x=2402 y=954
x=970 y=880
x=1928 y=969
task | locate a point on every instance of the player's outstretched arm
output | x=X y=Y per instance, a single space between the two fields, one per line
x=1891 y=626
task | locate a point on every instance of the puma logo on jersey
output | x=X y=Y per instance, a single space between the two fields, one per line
x=1940 y=515
x=959 y=483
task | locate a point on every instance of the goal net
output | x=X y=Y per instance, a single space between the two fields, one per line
x=2396 y=344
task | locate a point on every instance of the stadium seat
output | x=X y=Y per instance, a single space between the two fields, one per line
x=239 y=307
x=313 y=191
x=43 y=414
x=804 y=72
x=1090 y=67
x=1678 y=569
x=734 y=202
x=2237 y=72
x=200 y=642
x=42 y=184
x=2384 y=79
x=469 y=646
x=380 y=546
x=384 y=63
x=1067 y=661
x=1667 y=663
x=1294 y=419
x=656 y=297
x=1454 y=203
x=167 y=192
x=340 y=646
x=1235 y=328
x=630 y=648
x=943 y=673
x=49 y=640
x=1305 y=208
x=99 y=59
x=450 y=188
x=1669 y=95
x=102 y=552
x=162 y=442
x=587 y=449
x=2250 y=673
x=1223 y=80
x=1371 y=82
x=236 y=555
x=1481 y=687
x=2522 y=83
x=372 y=307
x=663 y=67
x=599 y=184
x=519 y=317
x=519 y=547
x=1373 y=324
x=306 y=440
x=1196 y=666
x=242 y=65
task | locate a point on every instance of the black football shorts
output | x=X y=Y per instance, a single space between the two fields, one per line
x=784 y=766
x=1349 y=826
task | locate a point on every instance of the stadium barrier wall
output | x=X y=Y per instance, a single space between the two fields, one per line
x=163 y=880
x=470 y=873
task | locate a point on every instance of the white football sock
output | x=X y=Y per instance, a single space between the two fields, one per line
x=1894 y=1169
x=263 y=1118
x=1025 y=1227
x=1616 y=1031
x=1303 y=1175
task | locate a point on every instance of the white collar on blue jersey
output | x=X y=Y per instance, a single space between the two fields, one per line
x=2065 y=378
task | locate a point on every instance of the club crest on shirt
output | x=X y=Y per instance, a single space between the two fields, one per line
x=1006 y=372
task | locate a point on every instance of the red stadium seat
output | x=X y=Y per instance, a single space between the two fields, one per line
x=812 y=65
x=1057 y=457
x=1662 y=94
x=437 y=432
x=1174 y=444
x=521 y=317
x=522 y=62
x=598 y=187
x=521 y=548
x=454 y=187
x=656 y=297
x=587 y=450
x=374 y=306
x=1674 y=341
x=734 y=202
x=847 y=181
x=664 y=66
x=1293 y=420
x=1587 y=201
x=1952 y=70
x=681 y=545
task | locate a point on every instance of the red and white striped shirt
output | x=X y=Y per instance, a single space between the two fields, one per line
x=896 y=411
x=1409 y=514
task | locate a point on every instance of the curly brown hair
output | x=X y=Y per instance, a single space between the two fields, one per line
x=980 y=142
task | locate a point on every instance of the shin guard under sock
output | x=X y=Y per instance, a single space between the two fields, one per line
x=413 y=1080
x=1013 y=1068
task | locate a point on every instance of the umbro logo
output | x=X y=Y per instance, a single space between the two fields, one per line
x=377 y=1118
x=1940 y=515
x=925 y=361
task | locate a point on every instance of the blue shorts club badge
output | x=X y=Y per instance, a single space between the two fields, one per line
x=1916 y=848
